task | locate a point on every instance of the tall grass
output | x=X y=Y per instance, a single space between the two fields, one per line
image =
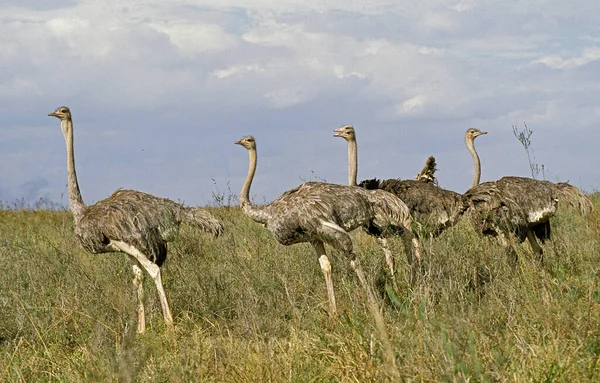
x=248 y=309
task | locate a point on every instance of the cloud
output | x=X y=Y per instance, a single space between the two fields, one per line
x=588 y=55
x=183 y=79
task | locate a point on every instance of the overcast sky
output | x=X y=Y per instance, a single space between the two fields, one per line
x=160 y=90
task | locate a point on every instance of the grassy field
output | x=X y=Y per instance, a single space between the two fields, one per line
x=250 y=310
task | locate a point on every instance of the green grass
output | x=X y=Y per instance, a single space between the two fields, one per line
x=249 y=309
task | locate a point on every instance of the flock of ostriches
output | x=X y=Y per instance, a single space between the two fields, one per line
x=140 y=225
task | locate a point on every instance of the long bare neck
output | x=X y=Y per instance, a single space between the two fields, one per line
x=75 y=200
x=476 y=163
x=352 y=162
x=257 y=214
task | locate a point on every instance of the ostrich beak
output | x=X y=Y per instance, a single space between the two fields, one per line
x=480 y=133
x=238 y=142
x=339 y=131
x=53 y=114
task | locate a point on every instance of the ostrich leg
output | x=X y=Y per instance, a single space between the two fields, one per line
x=537 y=249
x=389 y=257
x=512 y=253
x=326 y=268
x=340 y=240
x=138 y=282
x=413 y=255
x=154 y=272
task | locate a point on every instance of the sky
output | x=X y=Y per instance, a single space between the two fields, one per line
x=161 y=90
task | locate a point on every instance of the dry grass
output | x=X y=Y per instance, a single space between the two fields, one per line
x=248 y=309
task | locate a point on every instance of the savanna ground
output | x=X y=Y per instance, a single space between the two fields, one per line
x=249 y=309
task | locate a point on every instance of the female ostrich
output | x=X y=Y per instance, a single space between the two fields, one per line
x=565 y=192
x=518 y=205
x=319 y=213
x=432 y=207
x=132 y=222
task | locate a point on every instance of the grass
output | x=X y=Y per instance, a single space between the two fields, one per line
x=249 y=310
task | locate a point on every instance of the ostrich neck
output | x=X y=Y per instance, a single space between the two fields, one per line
x=476 y=163
x=257 y=214
x=352 y=162
x=75 y=200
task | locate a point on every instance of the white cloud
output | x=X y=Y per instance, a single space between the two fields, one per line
x=412 y=105
x=237 y=70
x=588 y=55
x=195 y=39
x=204 y=71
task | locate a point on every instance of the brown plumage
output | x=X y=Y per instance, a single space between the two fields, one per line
x=142 y=220
x=513 y=206
x=130 y=221
x=427 y=174
x=569 y=195
x=432 y=207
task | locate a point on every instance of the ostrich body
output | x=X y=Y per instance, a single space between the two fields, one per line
x=513 y=205
x=347 y=132
x=318 y=213
x=519 y=205
x=129 y=221
x=566 y=193
x=510 y=206
x=432 y=207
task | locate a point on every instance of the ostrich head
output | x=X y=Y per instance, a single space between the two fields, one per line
x=346 y=132
x=247 y=142
x=64 y=115
x=62 y=112
x=472 y=133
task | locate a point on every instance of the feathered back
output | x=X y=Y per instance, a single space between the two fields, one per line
x=389 y=211
x=371 y=184
x=488 y=209
x=139 y=219
x=433 y=207
x=574 y=197
x=537 y=198
x=427 y=175
x=514 y=204
x=203 y=220
x=310 y=209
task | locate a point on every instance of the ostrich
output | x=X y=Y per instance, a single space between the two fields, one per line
x=565 y=192
x=347 y=132
x=518 y=205
x=131 y=222
x=512 y=205
x=431 y=206
x=319 y=213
